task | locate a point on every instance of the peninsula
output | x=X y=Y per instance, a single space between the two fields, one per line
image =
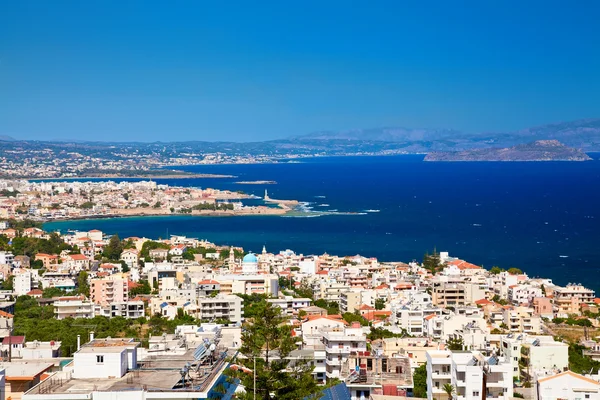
x=541 y=150
x=45 y=200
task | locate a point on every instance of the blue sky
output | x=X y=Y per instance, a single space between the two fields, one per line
x=228 y=70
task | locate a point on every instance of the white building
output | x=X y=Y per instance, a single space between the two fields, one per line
x=250 y=264
x=291 y=305
x=105 y=358
x=6 y=257
x=534 y=353
x=228 y=307
x=22 y=283
x=131 y=257
x=465 y=372
x=567 y=386
x=74 y=307
x=340 y=344
x=128 y=309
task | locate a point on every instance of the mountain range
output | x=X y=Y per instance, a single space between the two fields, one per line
x=581 y=134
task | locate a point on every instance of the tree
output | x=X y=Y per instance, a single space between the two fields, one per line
x=495 y=270
x=51 y=292
x=515 y=271
x=113 y=249
x=266 y=344
x=379 y=304
x=449 y=389
x=142 y=287
x=82 y=284
x=455 y=344
x=420 y=382
x=355 y=317
x=431 y=262
x=124 y=266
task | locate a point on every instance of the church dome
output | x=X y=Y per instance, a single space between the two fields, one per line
x=250 y=258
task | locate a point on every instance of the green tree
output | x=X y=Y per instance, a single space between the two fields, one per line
x=420 y=382
x=379 y=304
x=87 y=205
x=142 y=287
x=515 y=271
x=579 y=363
x=355 y=317
x=113 y=249
x=267 y=342
x=82 y=284
x=50 y=292
x=431 y=262
x=449 y=389
x=455 y=344
x=124 y=266
x=7 y=284
x=495 y=270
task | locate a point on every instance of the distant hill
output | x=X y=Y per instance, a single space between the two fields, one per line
x=583 y=134
x=389 y=134
x=540 y=150
x=6 y=138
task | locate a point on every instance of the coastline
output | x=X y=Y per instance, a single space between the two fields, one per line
x=113 y=176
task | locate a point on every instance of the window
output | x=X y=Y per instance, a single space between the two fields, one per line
x=587 y=396
x=100 y=359
x=476 y=393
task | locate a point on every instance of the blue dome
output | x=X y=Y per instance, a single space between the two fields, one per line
x=250 y=258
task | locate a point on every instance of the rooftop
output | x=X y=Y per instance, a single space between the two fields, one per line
x=156 y=373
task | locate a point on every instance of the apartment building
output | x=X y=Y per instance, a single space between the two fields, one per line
x=568 y=299
x=448 y=295
x=109 y=291
x=22 y=283
x=248 y=284
x=523 y=294
x=127 y=309
x=340 y=343
x=350 y=300
x=529 y=354
x=228 y=307
x=291 y=305
x=465 y=371
x=411 y=316
x=332 y=291
x=522 y=319
x=73 y=307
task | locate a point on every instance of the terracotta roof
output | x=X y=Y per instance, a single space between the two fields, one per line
x=13 y=340
x=329 y=317
x=570 y=373
x=366 y=307
x=208 y=282
x=34 y=292
x=380 y=314
x=4 y=314
x=462 y=265
x=429 y=317
x=78 y=257
x=483 y=302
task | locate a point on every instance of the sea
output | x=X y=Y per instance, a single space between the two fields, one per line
x=541 y=217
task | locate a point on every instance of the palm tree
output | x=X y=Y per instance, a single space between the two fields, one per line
x=449 y=389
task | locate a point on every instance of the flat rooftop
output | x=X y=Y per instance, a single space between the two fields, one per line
x=155 y=373
x=25 y=369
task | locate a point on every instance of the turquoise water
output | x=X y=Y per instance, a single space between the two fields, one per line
x=541 y=217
